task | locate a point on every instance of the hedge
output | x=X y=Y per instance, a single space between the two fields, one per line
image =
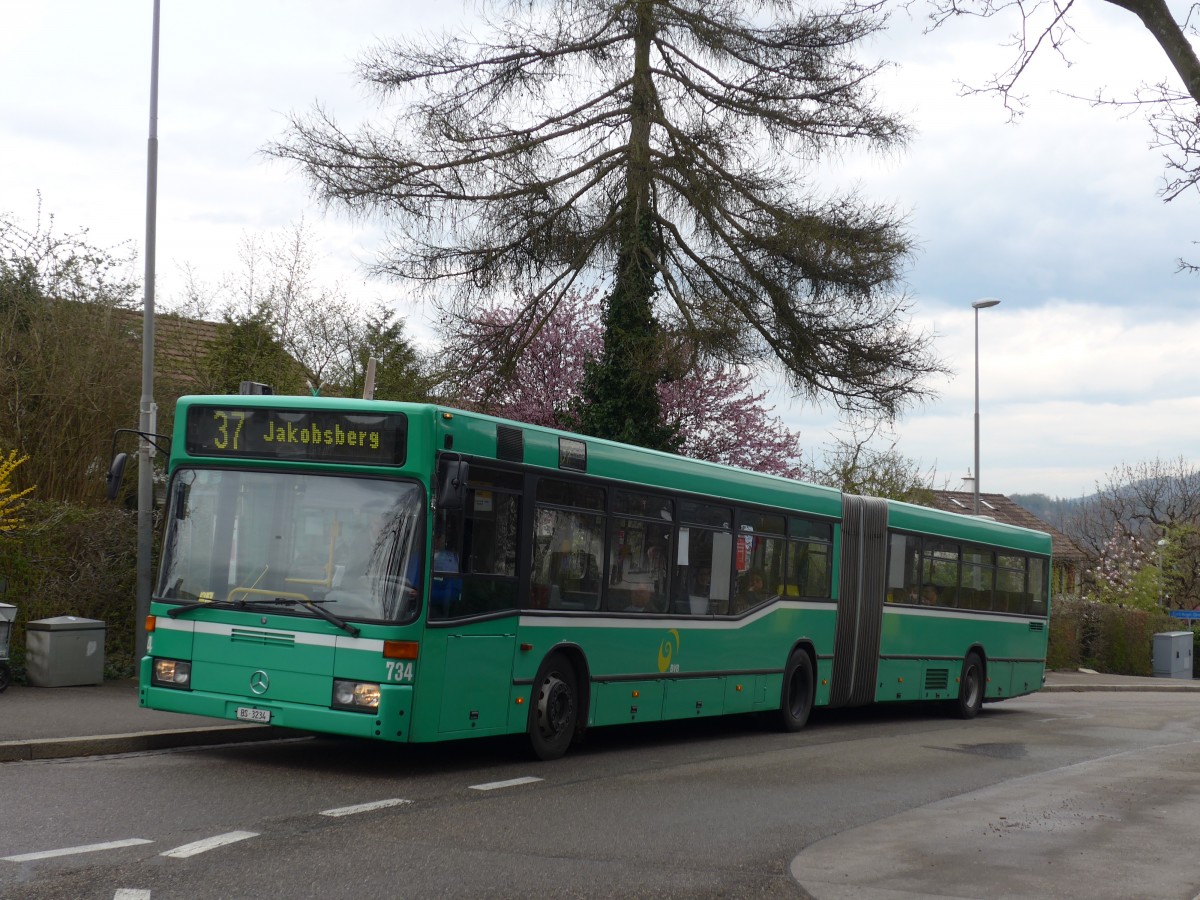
x=1103 y=636
x=72 y=560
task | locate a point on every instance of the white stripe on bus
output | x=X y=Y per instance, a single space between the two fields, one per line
x=952 y=613
x=221 y=629
x=659 y=622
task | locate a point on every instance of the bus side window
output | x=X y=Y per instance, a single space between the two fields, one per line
x=483 y=539
x=567 y=565
x=693 y=572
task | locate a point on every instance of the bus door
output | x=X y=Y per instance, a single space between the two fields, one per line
x=472 y=595
x=863 y=577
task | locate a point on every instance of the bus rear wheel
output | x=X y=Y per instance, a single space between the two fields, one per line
x=796 y=699
x=554 y=712
x=970 y=688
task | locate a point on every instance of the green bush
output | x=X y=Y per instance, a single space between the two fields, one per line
x=1106 y=637
x=71 y=560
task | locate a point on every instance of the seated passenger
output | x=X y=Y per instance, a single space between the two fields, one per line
x=641 y=600
x=930 y=595
x=753 y=593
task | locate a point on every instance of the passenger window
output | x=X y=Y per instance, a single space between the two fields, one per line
x=904 y=569
x=976 y=578
x=637 y=565
x=568 y=548
x=475 y=555
x=760 y=570
x=1037 y=587
x=703 y=571
x=808 y=570
x=939 y=573
x=1010 y=584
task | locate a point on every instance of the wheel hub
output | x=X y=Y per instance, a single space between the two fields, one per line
x=556 y=706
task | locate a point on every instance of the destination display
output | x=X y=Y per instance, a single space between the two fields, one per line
x=310 y=435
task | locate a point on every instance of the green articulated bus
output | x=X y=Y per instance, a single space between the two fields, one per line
x=413 y=573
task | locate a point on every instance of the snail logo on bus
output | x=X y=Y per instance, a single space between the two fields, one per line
x=311 y=435
x=667 y=650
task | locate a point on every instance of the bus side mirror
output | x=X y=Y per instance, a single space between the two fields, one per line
x=116 y=472
x=452 y=484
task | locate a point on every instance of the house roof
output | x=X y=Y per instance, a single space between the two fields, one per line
x=178 y=341
x=1002 y=509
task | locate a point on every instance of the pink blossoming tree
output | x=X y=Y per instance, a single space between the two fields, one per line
x=712 y=407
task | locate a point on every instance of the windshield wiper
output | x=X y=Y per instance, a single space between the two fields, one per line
x=176 y=611
x=311 y=605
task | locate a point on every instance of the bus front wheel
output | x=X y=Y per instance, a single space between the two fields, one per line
x=796 y=699
x=970 y=688
x=554 y=712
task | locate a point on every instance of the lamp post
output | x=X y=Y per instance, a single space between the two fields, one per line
x=977 y=306
x=1162 y=546
x=147 y=423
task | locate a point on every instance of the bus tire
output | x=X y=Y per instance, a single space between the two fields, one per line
x=554 y=710
x=5 y=676
x=970 y=688
x=796 y=698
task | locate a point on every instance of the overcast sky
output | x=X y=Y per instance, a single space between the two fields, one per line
x=1089 y=361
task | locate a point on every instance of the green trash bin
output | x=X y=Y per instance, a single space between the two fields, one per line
x=64 y=651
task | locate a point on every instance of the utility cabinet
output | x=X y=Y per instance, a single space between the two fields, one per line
x=1173 y=654
x=64 y=651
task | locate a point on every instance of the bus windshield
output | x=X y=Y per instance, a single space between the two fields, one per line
x=351 y=544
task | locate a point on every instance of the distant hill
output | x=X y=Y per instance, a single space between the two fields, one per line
x=1051 y=510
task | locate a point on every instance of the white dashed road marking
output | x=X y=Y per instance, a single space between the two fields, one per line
x=70 y=851
x=212 y=843
x=131 y=894
x=512 y=782
x=363 y=807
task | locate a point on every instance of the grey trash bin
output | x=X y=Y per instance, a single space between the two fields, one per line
x=1173 y=654
x=64 y=651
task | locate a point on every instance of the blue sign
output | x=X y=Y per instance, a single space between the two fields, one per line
x=1185 y=613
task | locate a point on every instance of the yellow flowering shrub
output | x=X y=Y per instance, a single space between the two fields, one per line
x=11 y=503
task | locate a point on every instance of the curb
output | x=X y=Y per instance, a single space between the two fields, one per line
x=1181 y=688
x=100 y=745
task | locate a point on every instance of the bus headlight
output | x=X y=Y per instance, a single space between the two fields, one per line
x=173 y=673
x=358 y=695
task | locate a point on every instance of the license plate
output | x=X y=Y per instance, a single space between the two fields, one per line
x=247 y=714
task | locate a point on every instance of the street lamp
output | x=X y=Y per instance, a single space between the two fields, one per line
x=977 y=306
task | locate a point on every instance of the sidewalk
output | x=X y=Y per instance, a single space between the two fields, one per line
x=1087 y=680
x=54 y=723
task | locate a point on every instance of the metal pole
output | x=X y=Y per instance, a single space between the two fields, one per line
x=1162 y=545
x=975 y=484
x=977 y=306
x=147 y=423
